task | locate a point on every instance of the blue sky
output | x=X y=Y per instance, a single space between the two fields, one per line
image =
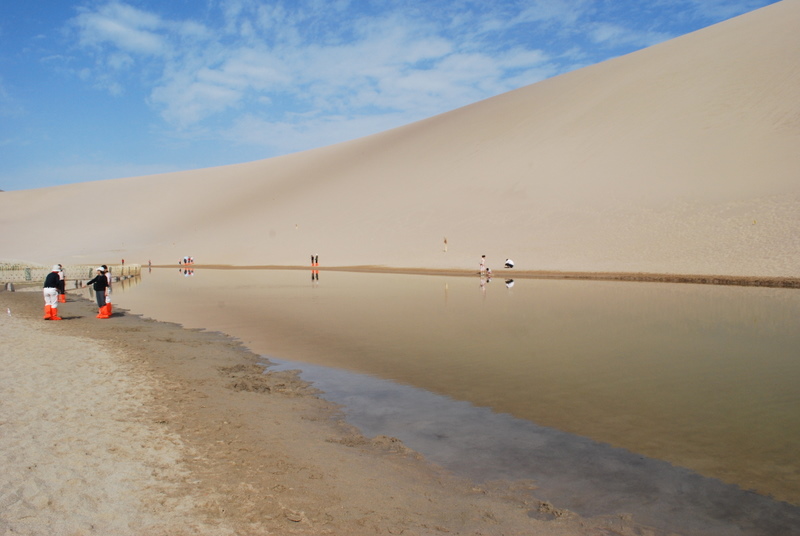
x=95 y=90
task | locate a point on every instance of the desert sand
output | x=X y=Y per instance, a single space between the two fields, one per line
x=141 y=427
x=680 y=158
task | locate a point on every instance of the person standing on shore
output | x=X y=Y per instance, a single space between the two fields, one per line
x=483 y=264
x=100 y=282
x=50 y=291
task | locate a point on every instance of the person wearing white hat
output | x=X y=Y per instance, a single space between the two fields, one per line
x=100 y=282
x=50 y=291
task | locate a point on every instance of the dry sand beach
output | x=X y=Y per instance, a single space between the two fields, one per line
x=140 y=427
x=678 y=159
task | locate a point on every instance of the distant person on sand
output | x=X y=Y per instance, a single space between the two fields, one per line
x=50 y=291
x=483 y=264
x=100 y=282
x=509 y=263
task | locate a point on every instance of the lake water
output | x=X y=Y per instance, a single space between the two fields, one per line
x=665 y=383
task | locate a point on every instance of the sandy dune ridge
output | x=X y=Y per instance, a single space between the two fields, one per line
x=681 y=158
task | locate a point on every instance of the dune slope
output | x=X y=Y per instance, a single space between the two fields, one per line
x=681 y=158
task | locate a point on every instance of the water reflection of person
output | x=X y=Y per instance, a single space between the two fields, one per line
x=509 y=283
x=485 y=280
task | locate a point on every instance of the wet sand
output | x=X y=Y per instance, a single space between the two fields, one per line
x=130 y=426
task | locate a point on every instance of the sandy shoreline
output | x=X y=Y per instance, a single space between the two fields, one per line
x=142 y=427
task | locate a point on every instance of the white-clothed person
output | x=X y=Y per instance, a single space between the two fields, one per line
x=52 y=282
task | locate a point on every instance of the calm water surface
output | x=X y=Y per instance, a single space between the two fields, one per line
x=706 y=378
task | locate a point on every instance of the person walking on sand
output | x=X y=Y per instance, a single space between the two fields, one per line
x=100 y=282
x=50 y=291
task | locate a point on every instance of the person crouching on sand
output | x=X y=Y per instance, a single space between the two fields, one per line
x=100 y=282
x=50 y=291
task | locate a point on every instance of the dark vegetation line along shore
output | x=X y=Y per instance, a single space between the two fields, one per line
x=734 y=280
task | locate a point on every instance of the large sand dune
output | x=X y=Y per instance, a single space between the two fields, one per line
x=681 y=158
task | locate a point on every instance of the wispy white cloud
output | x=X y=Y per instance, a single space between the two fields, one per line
x=123 y=27
x=562 y=12
x=615 y=35
x=268 y=53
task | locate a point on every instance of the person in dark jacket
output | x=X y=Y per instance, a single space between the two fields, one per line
x=50 y=291
x=100 y=282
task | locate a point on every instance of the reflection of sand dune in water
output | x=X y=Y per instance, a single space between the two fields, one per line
x=744 y=281
x=644 y=367
x=660 y=161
